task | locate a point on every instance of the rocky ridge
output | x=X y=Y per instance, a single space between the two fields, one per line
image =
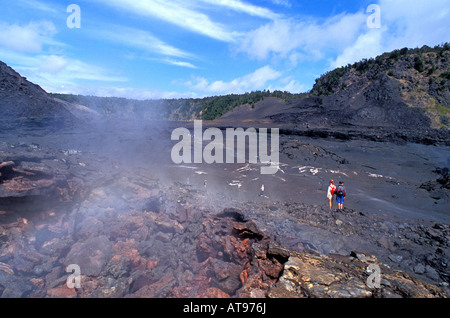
x=403 y=88
x=26 y=105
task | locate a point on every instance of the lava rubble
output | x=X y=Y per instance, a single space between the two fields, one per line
x=131 y=236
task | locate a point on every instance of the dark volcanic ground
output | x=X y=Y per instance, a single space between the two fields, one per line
x=395 y=209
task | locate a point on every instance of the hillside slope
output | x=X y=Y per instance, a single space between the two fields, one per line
x=401 y=96
x=404 y=88
x=23 y=103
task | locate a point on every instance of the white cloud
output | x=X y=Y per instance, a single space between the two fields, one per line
x=145 y=41
x=256 y=80
x=26 y=48
x=53 y=64
x=284 y=3
x=404 y=23
x=289 y=84
x=294 y=40
x=244 y=7
x=276 y=37
x=346 y=38
x=367 y=45
x=415 y=23
x=53 y=72
x=139 y=39
x=27 y=38
x=38 y=5
x=125 y=92
x=179 y=63
x=178 y=13
x=79 y=70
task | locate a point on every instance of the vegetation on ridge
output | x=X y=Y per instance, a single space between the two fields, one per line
x=423 y=75
x=207 y=108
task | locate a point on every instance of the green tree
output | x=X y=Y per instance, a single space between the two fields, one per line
x=418 y=64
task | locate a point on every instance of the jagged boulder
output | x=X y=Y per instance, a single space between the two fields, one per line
x=310 y=275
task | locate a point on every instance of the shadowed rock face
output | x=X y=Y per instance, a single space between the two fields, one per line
x=25 y=104
x=391 y=90
x=377 y=104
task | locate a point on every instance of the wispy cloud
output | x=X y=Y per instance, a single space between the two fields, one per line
x=366 y=45
x=346 y=38
x=39 y=5
x=404 y=23
x=178 y=13
x=79 y=70
x=288 y=84
x=244 y=7
x=145 y=41
x=27 y=38
x=54 y=69
x=179 y=63
x=284 y=3
x=139 y=39
x=293 y=39
x=121 y=91
x=52 y=72
x=30 y=49
x=52 y=64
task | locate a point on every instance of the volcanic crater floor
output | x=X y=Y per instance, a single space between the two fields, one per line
x=137 y=225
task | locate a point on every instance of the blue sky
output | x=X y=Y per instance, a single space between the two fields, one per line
x=148 y=49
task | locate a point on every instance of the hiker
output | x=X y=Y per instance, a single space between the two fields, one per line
x=340 y=195
x=330 y=192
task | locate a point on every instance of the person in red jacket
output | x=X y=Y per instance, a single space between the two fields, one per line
x=330 y=192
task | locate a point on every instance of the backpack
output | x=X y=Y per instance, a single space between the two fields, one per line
x=333 y=190
x=340 y=191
